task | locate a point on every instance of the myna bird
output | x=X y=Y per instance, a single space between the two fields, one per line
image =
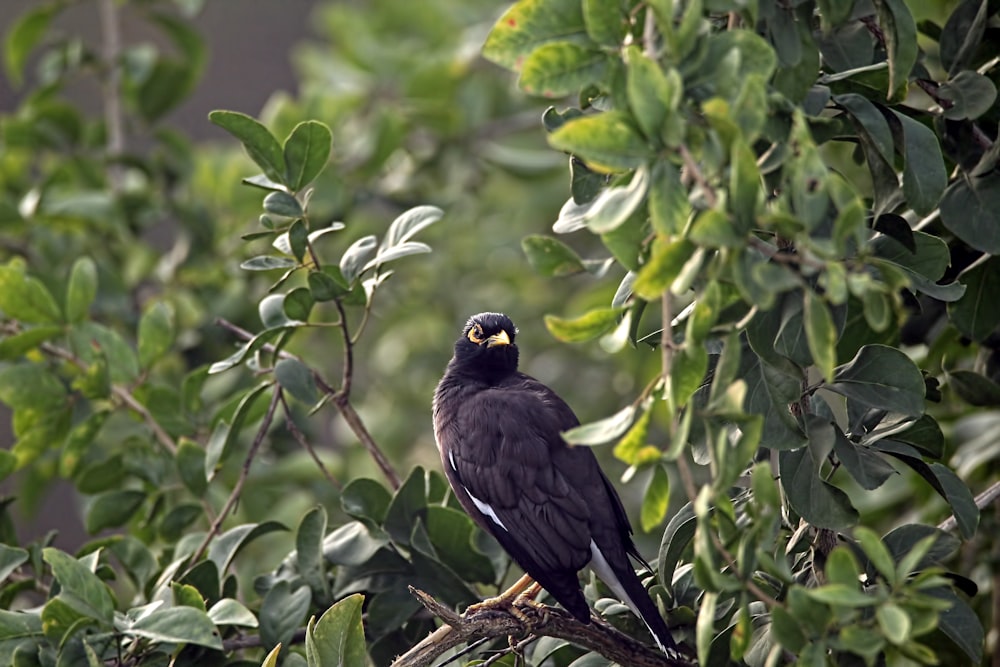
x=548 y=504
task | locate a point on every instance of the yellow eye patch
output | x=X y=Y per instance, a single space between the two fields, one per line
x=477 y=335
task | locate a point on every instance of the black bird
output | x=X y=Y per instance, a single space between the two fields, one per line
x=548 y=504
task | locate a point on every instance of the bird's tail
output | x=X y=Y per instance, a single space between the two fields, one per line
x=623 y=580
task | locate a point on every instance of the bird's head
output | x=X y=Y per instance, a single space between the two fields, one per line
x=486 y=345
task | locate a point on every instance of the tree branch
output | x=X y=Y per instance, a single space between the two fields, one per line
x=982 y=501
x=595 y=636
x=244 y=474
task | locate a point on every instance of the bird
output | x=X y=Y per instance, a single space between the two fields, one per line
x=548 y=504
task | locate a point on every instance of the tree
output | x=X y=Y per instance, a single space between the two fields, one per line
x=798 y=196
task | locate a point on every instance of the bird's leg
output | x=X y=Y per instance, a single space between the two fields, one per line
x=518 y=600
x=506 y=599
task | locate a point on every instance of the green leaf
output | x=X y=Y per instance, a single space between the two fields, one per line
x=961 y=624
x=687 y=374
x=82 y=590
x=947 y=484
x=606 y=23
x=228 y=611
x=282 y=612
x=977 y=313
x=325 y=287
x=11 y=558
x=31 y=386
x=974 y=388
x=894 y=622
x=112 y=509
x=705 y=626
x=924 y=175
x=156 y=333
x=178 y=625
x=283 y=204
x=309 y=551
x=714 y=229
x=900 y=32
x=96 y=343
x=81 y=290
x=186 y=595
x=408 y=502
x=25 y=298
x=652 y=93
x=666 y=261
x=962 y=34
x=970 y=209
x=841 y=568
x=529 y=24
x=607 y=141
x=268 y=263
x=876 y=552
x=395 y=252
x=12 y=347
x=271 y=660
x=786 y=630
x=744 y=184
x=365 y=498
x=306 y=152
x=882 y=377
x=843 y=595
x=586 y=327
x=224 y=435
x=656 y=500
x=354 y=543
x=298 y=304
x=617 y=203
x=338 y=638
x=452 y=534
x=602 y=430
x=297 y=379
x=628 y=449
x=866 y=467
x=28 y=29
x=262 y=147
x=409 y=223
x=224 y=548
x=668 y=204
x=557 y=69
x=818 y=502
x=821 y=334
x=971 y=95
x=355 y=258
x=549 y=257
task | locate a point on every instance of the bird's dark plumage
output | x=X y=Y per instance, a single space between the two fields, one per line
x=548 y=504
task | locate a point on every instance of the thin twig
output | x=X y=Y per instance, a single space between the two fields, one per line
x=695 y=172
x=244 y=474
x=111 y=90
x=121 y=393
x=982 y=501
x=300 y=437
x=131 y=402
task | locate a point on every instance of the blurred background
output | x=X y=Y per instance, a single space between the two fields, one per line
x=418 y=118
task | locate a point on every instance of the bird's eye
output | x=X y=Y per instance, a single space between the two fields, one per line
x=476 y=334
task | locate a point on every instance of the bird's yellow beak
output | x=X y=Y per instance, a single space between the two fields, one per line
x=498 y=339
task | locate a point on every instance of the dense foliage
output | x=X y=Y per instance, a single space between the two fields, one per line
x=777 y=248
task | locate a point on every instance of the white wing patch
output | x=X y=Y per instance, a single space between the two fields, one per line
x=486 y=509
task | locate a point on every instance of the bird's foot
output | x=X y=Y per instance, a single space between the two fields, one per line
x=529 y=611
x=518 y=601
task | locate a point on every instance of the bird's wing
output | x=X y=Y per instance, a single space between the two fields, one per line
x=501 y=464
